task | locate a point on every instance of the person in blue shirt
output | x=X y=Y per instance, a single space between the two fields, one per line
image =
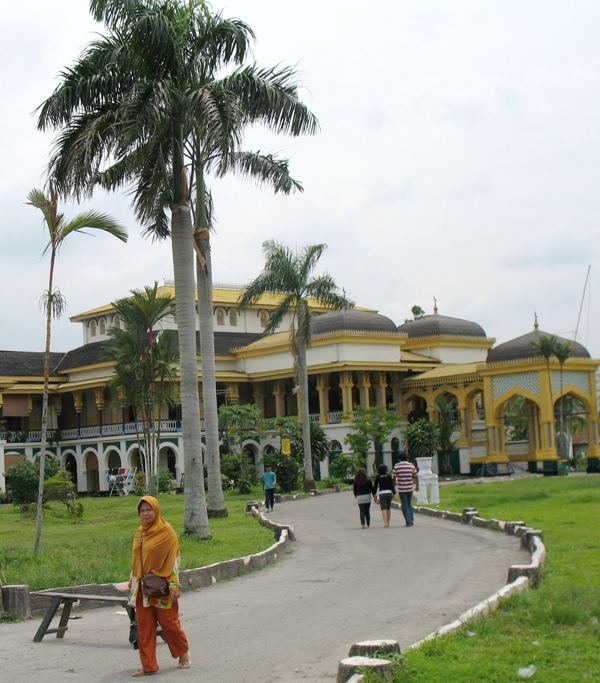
x=269 y=479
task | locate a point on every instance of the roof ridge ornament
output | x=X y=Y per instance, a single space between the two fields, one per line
x=535 y=321
x=435 y=308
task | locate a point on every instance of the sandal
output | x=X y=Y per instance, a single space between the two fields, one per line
x=141 y=672
x=185 y=661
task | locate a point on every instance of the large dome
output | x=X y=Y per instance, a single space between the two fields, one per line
x=352 y=319
x=522 y=347
x=437 y=325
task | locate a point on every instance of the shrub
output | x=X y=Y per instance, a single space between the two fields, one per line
x=244 y=485
x=22 y=479
x=165 y=481
x=61 y=488
x=287 y=468
x=344 y=465
x=330 y=482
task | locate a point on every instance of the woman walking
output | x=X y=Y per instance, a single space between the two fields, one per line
x=156 y=551
x=384 y=482
x=363 y=492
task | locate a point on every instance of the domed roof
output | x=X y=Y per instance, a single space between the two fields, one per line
x=522 y=347
x=436 y=325
x=352 y=319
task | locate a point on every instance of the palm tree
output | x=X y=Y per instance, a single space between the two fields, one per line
x=545 y=347
x=290 y=274
x=562 y=351
x=53 y=301
x=143 y=106
x=145 y=366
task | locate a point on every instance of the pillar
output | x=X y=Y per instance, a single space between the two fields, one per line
x=346 y=385
x=323 y=389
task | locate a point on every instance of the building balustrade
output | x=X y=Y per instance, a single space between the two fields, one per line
x=95 y=431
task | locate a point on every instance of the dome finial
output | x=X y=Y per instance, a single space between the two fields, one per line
x=435 y=308
x=535 y=321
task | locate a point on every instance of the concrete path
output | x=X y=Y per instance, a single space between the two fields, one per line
x=295 y=620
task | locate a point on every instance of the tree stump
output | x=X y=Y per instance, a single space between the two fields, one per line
x=351 y=665
x=367 y=648
x=15 y=599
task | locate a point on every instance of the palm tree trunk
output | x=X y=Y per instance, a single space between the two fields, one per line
x=44 y=430
x=309 y=478
x=216 y=501
x=195 y=518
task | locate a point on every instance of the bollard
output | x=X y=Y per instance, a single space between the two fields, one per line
x=15 y=599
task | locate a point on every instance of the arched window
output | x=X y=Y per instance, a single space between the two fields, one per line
x=220 y=317
x=93 y=328
x=116 y=321
x=264 y=318
x=233 y=318
x=102 y=326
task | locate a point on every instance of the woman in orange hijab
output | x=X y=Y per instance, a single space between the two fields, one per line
x=156 y=551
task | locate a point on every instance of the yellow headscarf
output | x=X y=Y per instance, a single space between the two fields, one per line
x=159 y=544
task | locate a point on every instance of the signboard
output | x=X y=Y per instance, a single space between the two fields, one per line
x=286 y=446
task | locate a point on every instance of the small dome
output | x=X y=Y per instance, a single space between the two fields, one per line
x=522 y=347
x=352 y=319
x=437 y=325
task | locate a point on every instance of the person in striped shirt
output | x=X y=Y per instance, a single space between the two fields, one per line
x=405 y=473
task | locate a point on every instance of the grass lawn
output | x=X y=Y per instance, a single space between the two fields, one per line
x=97 y=547
x=555 y=628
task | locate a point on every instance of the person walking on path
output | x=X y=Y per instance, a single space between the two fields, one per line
x=156 y=551
x=405 y=474
x=363 y=492
x=269 y=479
x=384 y=482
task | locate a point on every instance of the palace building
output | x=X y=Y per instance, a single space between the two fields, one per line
x=507 y=397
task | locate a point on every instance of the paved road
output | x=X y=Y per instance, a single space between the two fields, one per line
x=294 y=621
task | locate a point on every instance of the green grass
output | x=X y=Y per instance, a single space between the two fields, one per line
x=97 y=547
x=555 y=628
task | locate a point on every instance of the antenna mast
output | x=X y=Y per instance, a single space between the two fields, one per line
x=587 y=277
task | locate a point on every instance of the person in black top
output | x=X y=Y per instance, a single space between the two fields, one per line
x=363 y=492
x=384 y=482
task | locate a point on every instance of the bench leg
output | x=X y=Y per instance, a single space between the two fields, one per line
x=47 y=620
x=64 y=619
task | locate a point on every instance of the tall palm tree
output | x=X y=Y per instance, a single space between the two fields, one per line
x=143 y=106
x=53 y=301
x=290 y=274
x=545 y=347
x=562 y=351
x=145 y=366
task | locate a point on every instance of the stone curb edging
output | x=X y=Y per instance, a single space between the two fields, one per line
x=190 y=579
x=520 y=577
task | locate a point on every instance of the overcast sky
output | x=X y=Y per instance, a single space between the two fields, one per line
x=458 y=158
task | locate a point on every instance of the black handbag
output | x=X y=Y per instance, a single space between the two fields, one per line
x=133 y=633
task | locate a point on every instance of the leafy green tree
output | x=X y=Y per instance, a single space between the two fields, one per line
x=290 y=274
x=422 y=438
x=145 y=366
x=448 y=423
x=371 y=426
x=54 y=302
x=147 y=104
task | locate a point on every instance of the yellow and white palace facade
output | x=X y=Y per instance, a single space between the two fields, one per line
x=357 y=357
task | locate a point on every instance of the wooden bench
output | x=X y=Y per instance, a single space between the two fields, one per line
x=68 y=599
